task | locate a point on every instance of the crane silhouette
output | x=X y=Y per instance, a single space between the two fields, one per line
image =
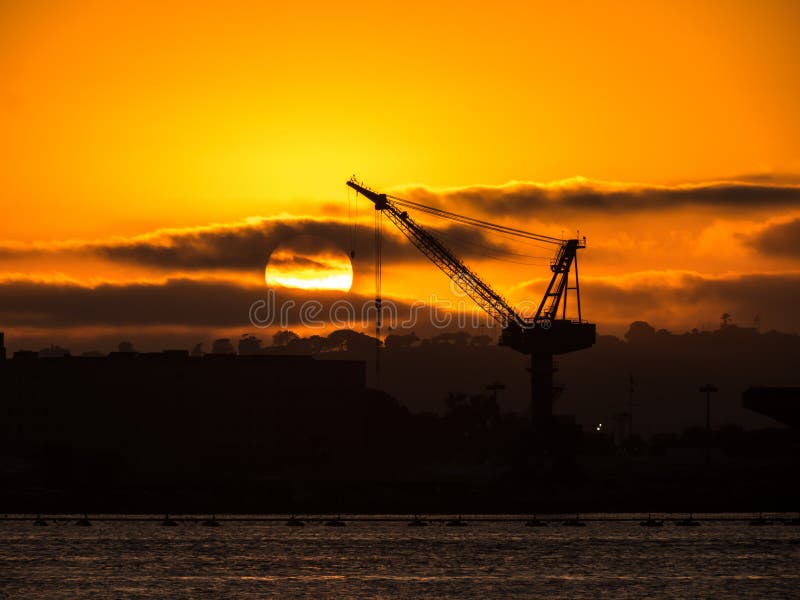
x=541 y=336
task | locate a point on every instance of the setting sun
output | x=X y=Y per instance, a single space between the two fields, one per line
x=291 y=266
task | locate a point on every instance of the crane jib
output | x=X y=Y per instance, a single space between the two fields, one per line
x=467 y=280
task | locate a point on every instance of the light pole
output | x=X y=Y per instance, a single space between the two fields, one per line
x=494 y=387
x=708 y=389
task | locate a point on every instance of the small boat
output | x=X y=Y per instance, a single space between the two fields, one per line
x=39 y=521
x=84 y=521
x=534 y=522
x=211 y=522
x=688 y=522
x=167 y=522
x=459 y=522
x=292 y=522
x=651 y=522
x=417 y=522
x=337 y=522
x=576 y=522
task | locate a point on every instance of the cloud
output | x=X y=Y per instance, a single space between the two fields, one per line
x=781 y=240
x=682 y=300
x=288 y=261
x=174 y=302
x=676 y=300
x=547 y=202
x=247 y=246
x=179 y=302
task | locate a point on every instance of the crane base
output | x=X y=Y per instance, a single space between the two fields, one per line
x=542 y=343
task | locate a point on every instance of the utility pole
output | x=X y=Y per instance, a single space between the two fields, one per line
x=708 y=389
x=630 y=405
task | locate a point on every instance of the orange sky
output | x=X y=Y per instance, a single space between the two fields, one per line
x=123 y=118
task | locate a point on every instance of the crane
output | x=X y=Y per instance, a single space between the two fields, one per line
x=541 y=336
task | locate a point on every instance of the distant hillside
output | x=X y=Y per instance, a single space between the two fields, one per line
x=666 y=369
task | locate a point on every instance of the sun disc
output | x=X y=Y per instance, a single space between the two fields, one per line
x=308 y=264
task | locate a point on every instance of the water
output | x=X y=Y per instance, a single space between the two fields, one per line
x=392 y=560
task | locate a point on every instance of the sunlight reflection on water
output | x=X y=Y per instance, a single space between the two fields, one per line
x=252 y=560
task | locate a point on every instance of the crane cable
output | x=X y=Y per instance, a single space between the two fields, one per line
x=355 y=224
x=496 y=253
x=378 y=285
x=476 y=222
x=352 y=212
x=352 y=216
x=349 y=200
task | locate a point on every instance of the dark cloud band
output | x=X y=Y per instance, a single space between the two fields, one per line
x=782 y=240
x=247 y=247
x=175 y=302
x=548 y=202
x=221 y=304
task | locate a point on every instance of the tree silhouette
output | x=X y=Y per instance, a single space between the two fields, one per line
x=284 y=337
x=222 y=346
x=640 y=331
x=249 y=344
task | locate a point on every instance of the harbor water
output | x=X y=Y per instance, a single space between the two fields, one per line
x=388 y=559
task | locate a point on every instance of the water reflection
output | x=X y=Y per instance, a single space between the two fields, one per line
x=252 y=560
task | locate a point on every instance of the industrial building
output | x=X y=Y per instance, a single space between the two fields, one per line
x=134 y=420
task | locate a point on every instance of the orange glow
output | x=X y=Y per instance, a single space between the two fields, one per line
x=127 y=119
x=128 y=115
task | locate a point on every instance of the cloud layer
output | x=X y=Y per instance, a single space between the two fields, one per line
x=664 y=298
x=182 y=302
x=548 y=202
x=674 y=300
x=247 y=246
x=200 y=270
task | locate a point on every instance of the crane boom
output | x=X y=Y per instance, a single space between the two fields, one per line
x=466 y=279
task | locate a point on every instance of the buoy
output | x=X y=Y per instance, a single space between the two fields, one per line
x=651 y=522
x=417 y=522
x=688 y=522
x=212 y=522
x=760 y=521
x=576 y=522
x=84 y=522
x=167 y=522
